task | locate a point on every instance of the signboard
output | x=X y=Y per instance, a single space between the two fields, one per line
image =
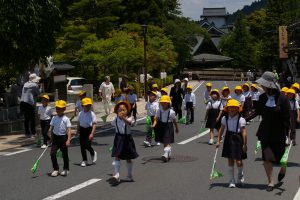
x=283 y=41
x=60 y=78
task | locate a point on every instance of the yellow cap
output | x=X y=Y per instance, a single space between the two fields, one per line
x=82 y=92
x=130 y=87
x=238 y=87
x=215 y=91
x=225 y=88
x=165 y=99
x=246 y=84
x=232 y=103
x=208 y=84
x=154 y=85
x=154 y=93
x=165 y=90
x=254 y=85
x=45 y=96
x=189 y=87
x=118 y=92
x=284 y=89
x=296 y=85
x=60 y=104
x=86 y=101
x=291 y=91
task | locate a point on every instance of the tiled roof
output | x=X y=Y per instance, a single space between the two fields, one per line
x=210 y=12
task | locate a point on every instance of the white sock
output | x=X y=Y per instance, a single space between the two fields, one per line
x=167 y=150
x=240 y=172
x=129 y=169
x=231 y=173
x=117 y=166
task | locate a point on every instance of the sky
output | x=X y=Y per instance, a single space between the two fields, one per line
x=193 y=8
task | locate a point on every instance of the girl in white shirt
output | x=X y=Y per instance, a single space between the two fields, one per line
x=294 y=116
x=214 y=110
x=235 y=142
x=238 y=95
x=45 y=113
x=190 y=104
x=164 y=122
x=247 y=108
x=86 y=128
x=124 y=146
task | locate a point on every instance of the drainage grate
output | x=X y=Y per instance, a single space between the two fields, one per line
x=174 y=159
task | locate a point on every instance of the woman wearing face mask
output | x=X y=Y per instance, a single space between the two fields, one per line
x=274 y=109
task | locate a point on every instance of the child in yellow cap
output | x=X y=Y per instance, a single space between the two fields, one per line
x=247 y=107
x=238 y=95
x=45 y=114
x=207 y=93
x=61 y=138
x=164 y=122
x=118 y=96
x=235 y=142
x=132 y=99
x=294 y=116
x=255 y=97
x=189 y=104
x=78 y=106
x=155 y=89
x=86 y=127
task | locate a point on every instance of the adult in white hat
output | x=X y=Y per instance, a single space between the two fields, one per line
x=176 y=95
x=30 y=92
x=274 y=109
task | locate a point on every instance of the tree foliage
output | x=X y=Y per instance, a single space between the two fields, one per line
x=27 y=31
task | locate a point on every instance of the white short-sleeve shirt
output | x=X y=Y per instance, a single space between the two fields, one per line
x=87 y=119
x=225 y=99
x=206 y=95
x=164 y=115
x=152 y=108
x=78 y=105
x=190 y=97
x=121 y=125
x=255 y=95
x=214 y=105
x=240 y=98
x=107 y=90
x=158 y=96
x=294 y=104
x=232 y=122
x=132 y=98
x=60 y=125
x=45 y=112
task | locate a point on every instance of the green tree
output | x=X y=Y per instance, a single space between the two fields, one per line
x=27 y=32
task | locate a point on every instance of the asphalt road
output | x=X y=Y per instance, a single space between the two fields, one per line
x=186 y=176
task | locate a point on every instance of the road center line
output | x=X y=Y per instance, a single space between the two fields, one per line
x=194 y=137
x=72 y=189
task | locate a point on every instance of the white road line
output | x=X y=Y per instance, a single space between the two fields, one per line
x=17 y=152
x=194 y=137
x=198 y=86
x=72 y=189
x=297 y=196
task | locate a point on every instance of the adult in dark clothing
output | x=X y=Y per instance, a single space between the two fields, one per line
x=30 y=92
x=123 y=84
x=184 y=86
x=274 y=109
x=176 y=95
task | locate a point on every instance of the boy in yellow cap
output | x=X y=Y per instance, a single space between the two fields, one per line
x=86 y=127
x=78 y=106
x=164 y=122
x=294 y=116
x=235 y=142
x=225 y=95
x=189 y=104
x=118 y=96
x=296 y=87
x=283 y=90
x=155 y=89
x=238 y=95
x=206 y=94
x=61 y=138
x=164 y=91
x=45 y=114
x=247 y=108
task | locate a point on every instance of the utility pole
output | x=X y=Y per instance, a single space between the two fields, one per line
x=145 y=61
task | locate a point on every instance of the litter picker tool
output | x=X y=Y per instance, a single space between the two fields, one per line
x=104 y=118
x=257 y=147
x=37 y=162
x=214 y=173
x=183 y=119
x=285 y=157
x=149 y=126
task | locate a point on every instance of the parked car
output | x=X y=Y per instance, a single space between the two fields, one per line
x=75 y=83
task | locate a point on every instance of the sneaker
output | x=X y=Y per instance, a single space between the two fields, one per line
x=147 y=144
x=115 y=180
x=83 y=164
x=157 y=144
x=54 y=173
x=240 y=179
x=165 y=157
x=247 y=123
x=294 y=142
x=287 y=141
x=231 y=184
x=64 y=172
x=43 y=146
x=128 y=179
x=94 y=157
x=211 y=142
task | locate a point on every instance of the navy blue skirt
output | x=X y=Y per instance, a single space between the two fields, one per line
x=124 y=147
x=233 y=146
x=164 y=132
